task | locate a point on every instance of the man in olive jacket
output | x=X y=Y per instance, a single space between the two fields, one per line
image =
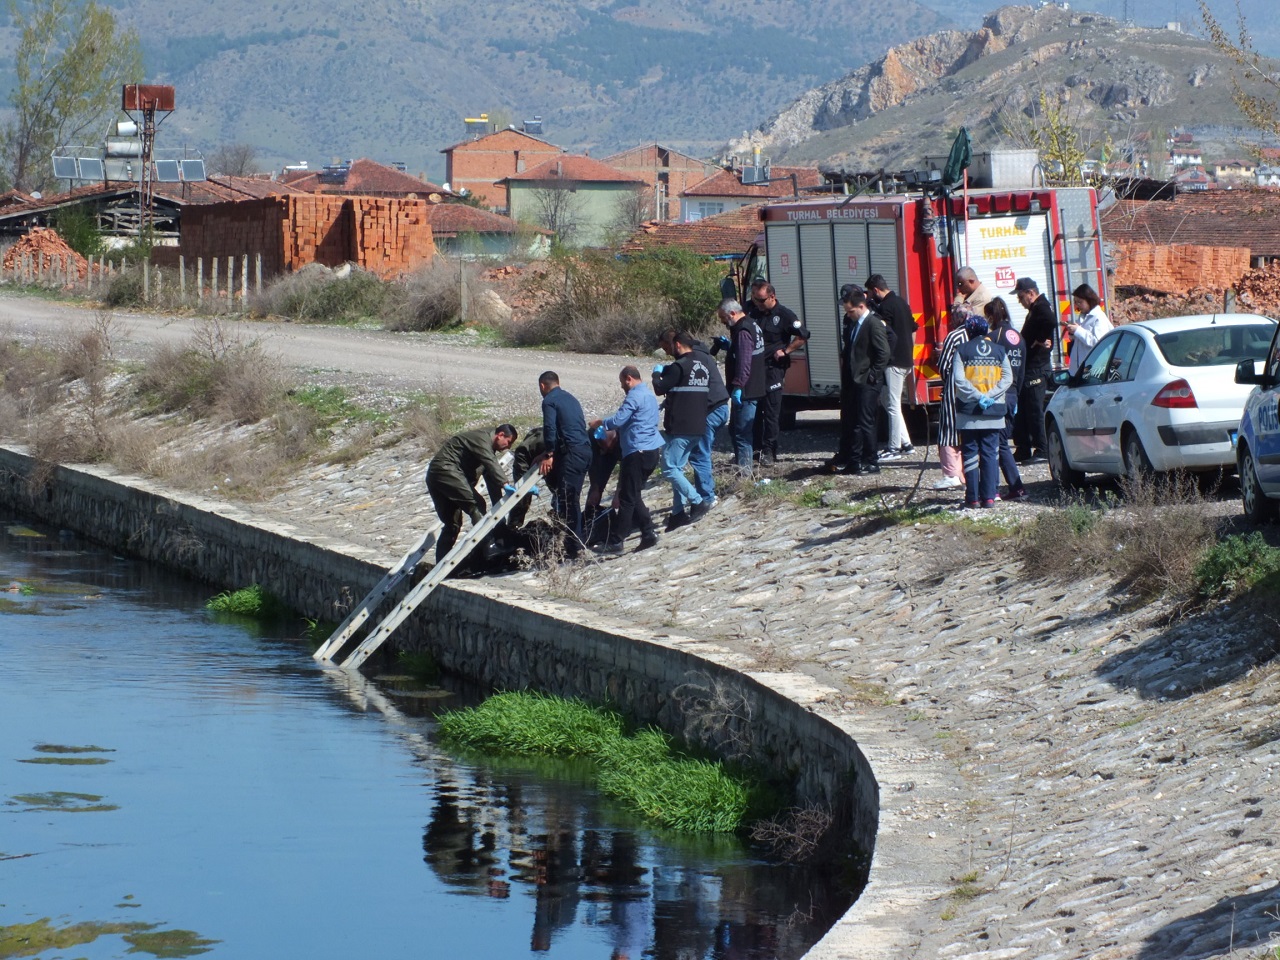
x=453 y=473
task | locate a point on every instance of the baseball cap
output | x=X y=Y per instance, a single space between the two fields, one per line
x=1024 y=285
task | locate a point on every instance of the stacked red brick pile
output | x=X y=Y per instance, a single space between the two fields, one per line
x=387 y=237
x=46 y=244
x=1179 y=268
x=392 y=237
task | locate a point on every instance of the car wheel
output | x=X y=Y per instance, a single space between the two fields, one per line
x=1258 y=507
x=1061 y=469
x=1137 y=468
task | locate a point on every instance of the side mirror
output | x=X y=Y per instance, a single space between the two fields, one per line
x=1061 y=378
x=728 y=289
x=1247 y=372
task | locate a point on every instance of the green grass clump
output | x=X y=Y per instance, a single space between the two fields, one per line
x=642 y=769
x=247 y=602
x=1236 y=563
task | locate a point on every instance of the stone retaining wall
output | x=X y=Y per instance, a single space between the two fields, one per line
x=497 y=637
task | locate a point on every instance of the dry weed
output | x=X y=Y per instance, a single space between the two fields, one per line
x=796 y=834
x=716 y=715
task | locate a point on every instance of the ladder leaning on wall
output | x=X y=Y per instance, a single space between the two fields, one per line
x=471 y=539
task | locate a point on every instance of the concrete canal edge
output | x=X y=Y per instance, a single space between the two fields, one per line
x=696 y=689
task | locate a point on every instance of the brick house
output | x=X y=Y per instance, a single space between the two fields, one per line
x=668 y=174
x=579 y=198
x=479 y=165
x=725 y=191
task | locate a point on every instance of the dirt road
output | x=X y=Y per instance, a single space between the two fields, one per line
x=364 y=359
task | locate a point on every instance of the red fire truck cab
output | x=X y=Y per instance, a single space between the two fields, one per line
x=917 y=242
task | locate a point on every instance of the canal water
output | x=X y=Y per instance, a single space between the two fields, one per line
x=177 y=784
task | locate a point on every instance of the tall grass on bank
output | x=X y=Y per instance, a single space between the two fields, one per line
x=643 y=770
x=251 y=601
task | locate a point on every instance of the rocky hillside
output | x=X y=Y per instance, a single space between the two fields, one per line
x=393 y=79
x=1113 y=80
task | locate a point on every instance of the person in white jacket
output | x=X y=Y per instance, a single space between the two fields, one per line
x=1092 y=326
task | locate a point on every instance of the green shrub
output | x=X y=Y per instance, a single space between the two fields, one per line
x=1236 y=563
x=250 y=601
x=641 y=770
x=79 y=228
x=596 y=303
x=125 y=289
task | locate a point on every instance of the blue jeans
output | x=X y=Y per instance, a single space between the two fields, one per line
x=981 y=452
x=674 y=457
x=700 y=456
x=742 y=424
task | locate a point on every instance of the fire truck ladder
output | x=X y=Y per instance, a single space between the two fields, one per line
x=402 y=610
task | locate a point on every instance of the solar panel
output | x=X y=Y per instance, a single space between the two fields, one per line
x=125 y=170
x=192 y=170
x=91 y=168
x=167 y=171
x=64 y=168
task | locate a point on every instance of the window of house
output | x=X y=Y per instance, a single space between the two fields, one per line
x=707 y=208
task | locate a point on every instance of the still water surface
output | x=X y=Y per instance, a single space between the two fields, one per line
x=223 y=784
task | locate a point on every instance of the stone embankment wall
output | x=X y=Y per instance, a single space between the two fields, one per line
x=506 y=640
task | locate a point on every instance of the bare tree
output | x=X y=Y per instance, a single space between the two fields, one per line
x=632 y=209
x=558 y=207
x=234 y=160
x=1258 y=104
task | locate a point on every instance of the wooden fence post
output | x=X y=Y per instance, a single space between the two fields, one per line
x=231 y=281
x=244 y=279
x=182 y=279
x=213 y=279
x=200 y=281
x=146 y=280
x=257 y=273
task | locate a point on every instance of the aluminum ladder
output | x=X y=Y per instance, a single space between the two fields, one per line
x=471 y=539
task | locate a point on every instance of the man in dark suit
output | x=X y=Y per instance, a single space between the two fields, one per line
x=864 y=359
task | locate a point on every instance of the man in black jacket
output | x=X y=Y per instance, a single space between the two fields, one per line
x=783 y=333
x=686 y=384
x=866 y=356
x=744 y=375
x=568 y=454
x=897 y=315
x=1038 y=332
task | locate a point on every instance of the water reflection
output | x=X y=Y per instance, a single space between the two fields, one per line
x=250 y=792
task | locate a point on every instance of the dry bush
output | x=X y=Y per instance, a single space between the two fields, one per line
x=230 y=466
x=87 y=351
x=295 y=431
x=215 y=374
x=796 y=834
x=316 y=294
x=60 y=435
x=133 y=445
x=1150 y=538
x=431 y=297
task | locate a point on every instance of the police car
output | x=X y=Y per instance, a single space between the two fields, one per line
x=1258 y=446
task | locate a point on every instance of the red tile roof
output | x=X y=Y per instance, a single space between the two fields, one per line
x=507 y=134
x=213 y=190
x=571 y=167
x=11 y=197
x=728 y=183
x=451 y=219
x=364 y=178
x=1222 y=218
x=725 y=234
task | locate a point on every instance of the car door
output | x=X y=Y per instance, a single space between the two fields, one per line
x=1081 y=425
x=1114 y=397
x=1265 y=408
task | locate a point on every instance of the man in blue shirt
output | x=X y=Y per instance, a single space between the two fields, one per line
x=637 y=424
x=568 y=454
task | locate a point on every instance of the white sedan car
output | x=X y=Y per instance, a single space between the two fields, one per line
x=1153 y=396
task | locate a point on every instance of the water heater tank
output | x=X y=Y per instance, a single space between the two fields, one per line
x=121 y=147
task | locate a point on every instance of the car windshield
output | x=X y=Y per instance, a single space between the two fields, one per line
x=1217 y=345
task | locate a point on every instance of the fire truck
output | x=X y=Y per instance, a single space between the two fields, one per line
x=917 y=241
